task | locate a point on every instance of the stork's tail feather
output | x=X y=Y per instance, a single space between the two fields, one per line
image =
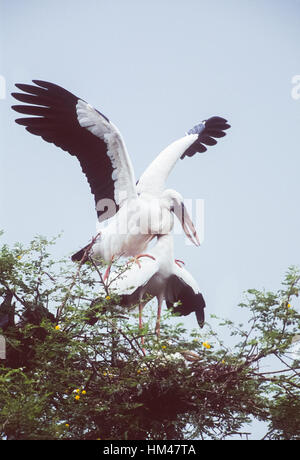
x=83 y=253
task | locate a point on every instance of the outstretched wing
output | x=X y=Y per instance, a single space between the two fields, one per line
x=184 y=296
x=205 y=133
x=63 y=119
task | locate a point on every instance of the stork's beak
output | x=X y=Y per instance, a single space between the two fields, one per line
x=182 y=215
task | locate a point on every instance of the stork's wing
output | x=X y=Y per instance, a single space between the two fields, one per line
x=129 y=284
x=154 y=178
x=63 y=119
x=183 y=295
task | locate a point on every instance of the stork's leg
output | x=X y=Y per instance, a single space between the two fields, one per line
x=141 y=326
x=107 y=271
x=157 y=326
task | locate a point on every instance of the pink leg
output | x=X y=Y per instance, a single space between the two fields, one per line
x=107 y=271
x=157 y=326
x=141 y=327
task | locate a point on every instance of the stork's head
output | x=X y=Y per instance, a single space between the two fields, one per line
x=187 y=301
x=175 y=203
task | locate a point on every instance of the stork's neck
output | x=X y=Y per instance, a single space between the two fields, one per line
x=153 y=179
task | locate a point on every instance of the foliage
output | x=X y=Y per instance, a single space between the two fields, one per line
x=64 y=378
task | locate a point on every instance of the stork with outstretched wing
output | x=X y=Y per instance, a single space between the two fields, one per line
x=138 y=212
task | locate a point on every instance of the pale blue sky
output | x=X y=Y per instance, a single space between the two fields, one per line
x=156 y=68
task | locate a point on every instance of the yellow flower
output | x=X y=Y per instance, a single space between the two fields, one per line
x=289 y=305
x=83 y=392
x=67 y=425
x=57 y=327
x=19 y=257
x=138 y=371
x=77 y=390
x=206 y=345
x=107 y=297
x=223 y=361
x=77 y=397
x=104 y=373
x=164 y=346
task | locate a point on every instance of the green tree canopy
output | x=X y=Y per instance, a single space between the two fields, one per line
x=64 y=378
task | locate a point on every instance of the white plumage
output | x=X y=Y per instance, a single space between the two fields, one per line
x=123 y=173
x=138 y=212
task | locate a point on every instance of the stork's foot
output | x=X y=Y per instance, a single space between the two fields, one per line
x=179 y=262
x=136 y=259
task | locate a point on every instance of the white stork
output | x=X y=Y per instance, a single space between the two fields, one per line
x=162 y=277
x=140 y=211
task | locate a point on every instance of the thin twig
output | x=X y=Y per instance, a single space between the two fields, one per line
x=124 y=335
x=82 y=261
